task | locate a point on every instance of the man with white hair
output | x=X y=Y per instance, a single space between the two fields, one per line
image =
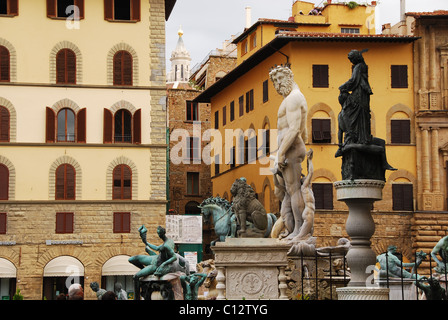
x=75 y=292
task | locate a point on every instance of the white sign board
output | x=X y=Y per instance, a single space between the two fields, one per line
x=184 y=228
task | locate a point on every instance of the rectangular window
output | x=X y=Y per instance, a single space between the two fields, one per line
x=9 y=7
x=224 y=115
x=232 y=111
x=232 y=157
x=192 y=111
x=192 y=183
x=320 y=76
x=402 y=197
x=241 y=105
x=193 y=148
x=3 y=216
x=349 y=30
x=65 y=9
x=399 y=76
x=265 y=91
x=323 y=195
x=249 y=100
x=216 y=119
x=64 y=222
x=122 y=10
x=216 y=164
x=122 y=222
x=400 y=131
x=321 y=129
x=252 y=150
x=265 y=148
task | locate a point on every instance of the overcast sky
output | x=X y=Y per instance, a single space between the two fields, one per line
x=208 y=23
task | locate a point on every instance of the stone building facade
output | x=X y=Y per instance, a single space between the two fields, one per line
x=83 y=148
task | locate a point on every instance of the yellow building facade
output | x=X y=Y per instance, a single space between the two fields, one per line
x=248 y=101
x=83 y=148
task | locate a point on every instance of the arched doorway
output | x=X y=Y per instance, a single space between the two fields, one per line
x=59 y=274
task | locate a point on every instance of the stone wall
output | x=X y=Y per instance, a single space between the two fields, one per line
x=30 y=225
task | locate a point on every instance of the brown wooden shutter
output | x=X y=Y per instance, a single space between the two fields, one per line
x=81 y=126
x=13 y=9
x=50 y=125
x=135 y=10
x=69 y=222
x=51 y=8
x=137 y=134
x=108 y=9
x=60 y=222
x=60 y=183
x=117 y=68
x=4 y=64
x=70 y=64
x=80 y=5
x=320 y=76
x=4 y=182
x=328 y=196
x=3 y=218
x=70 y=182
x=399 y=76
x=61 y=66
x=116 y=188
x=4 y=124
x=107 y=126
x=127 y=68
x=326 y=130
x=127 y=182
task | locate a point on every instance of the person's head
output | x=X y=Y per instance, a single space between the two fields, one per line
x=109 y=295
x=355 y=56
x=75 y=292
x=282 y=79
x=117 y=286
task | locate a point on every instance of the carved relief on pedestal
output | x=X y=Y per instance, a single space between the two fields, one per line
x=252 y=283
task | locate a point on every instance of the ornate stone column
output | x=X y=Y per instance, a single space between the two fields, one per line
x=359 y=195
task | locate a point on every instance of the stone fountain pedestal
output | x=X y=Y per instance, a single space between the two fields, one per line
x=251 y=268
x=359 y=195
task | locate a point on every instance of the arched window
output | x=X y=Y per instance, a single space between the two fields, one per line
x=122 y=183
x=4 y=182
x=123 y=126
x=66 y=67
x=65 y=182
x=122 y=68
x=4 y=64
x=4 y=124
x=192 y=208
x=66 y=125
